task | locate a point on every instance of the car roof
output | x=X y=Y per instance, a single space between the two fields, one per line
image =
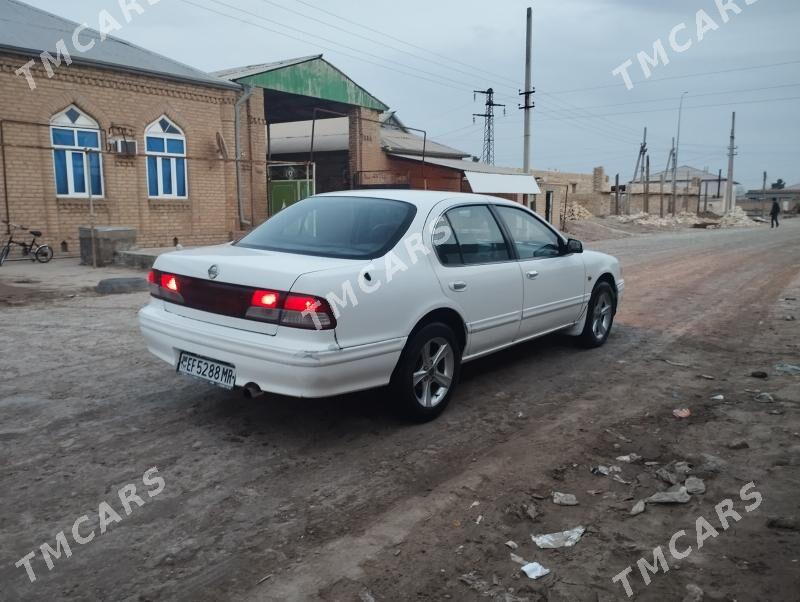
x=423 y=199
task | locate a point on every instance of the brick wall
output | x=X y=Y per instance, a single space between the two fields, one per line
x=577 y=183
x=132 y=102
x=366 y=153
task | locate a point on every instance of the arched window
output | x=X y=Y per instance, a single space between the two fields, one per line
x=165 y=146
x=77 y=160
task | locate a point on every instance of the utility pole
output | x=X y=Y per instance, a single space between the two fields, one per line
x=676 y=146
x=528 y=105
x=671 y=169
x=730 y=198
x=646 y=178
x=488 y=129
x=699 y=194
x=639 y=162
x=685 y=199
x=661 y=195
x=764 y=196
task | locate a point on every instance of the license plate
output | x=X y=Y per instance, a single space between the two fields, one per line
x=218 y=373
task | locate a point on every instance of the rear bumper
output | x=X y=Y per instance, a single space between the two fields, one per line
x=275 y=365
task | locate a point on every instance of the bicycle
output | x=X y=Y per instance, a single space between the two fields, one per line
x=36 y=252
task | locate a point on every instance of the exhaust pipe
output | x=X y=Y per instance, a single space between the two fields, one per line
x=252 y=390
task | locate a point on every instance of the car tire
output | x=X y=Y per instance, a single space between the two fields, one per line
x=422 y=384
x=599 y=316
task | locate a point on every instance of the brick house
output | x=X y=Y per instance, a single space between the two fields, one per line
x=120 y=136
x=145 y=140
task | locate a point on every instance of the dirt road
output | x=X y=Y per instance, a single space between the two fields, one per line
x=338 y=499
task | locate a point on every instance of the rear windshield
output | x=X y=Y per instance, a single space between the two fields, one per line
x=334 y=226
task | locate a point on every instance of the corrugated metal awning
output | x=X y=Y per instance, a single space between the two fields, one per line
x=497 y=183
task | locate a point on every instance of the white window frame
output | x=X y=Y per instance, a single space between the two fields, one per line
x=154 y=130
x=83 y=123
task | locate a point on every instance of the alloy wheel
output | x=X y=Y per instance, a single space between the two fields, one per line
x=601 y=317
x=433 y=372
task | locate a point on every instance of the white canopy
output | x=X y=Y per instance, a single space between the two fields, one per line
x=498 y=183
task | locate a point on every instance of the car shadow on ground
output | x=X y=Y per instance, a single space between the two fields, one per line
x=374 y=410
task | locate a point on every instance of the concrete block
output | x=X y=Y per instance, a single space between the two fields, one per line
x=117 y=286
x=109 y=242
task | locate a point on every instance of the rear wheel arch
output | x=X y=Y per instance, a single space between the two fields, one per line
x=447 y=316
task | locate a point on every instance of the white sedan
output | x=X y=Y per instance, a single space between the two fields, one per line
x=359 y=289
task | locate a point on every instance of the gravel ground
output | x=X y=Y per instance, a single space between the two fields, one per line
x=338 y=499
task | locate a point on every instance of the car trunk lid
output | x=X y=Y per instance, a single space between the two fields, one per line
x=237 y=272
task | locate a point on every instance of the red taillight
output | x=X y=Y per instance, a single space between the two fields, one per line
x=169 y=282
x=265 y=299
x=305 y=311
x=301 y=303
x=297 y=311
x=165 y=286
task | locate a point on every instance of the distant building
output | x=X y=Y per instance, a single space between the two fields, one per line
x=758 y=202
x=692 y=184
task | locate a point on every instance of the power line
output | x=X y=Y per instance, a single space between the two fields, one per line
x=437 y=81
x=382 y=42
x=438 y=76
x=407 y=43
x=589 y=114
x=672 y=77
x=671 y=98
x=291 y=37
x=614 y=125
x=724 y=104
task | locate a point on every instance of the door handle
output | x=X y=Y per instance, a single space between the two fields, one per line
x=532 y=275
x=458 y=286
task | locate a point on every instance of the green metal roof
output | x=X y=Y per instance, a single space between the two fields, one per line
x=310 y=76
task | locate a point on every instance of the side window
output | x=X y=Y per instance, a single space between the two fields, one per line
x=444 y=240
x=531 y=237
x=477 y=234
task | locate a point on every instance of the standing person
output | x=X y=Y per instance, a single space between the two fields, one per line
x=774 y=213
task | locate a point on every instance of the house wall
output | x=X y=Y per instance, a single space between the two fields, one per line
x=577 y=183
x=131 y=102
x=592 y=191
x=686 y=197
x=789 y=201
x=428 y=177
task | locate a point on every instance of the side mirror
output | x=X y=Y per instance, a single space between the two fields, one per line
x=574 y=246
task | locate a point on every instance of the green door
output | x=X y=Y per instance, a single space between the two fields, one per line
x=289 y=184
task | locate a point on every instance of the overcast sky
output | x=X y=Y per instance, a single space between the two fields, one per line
x=426 y=57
